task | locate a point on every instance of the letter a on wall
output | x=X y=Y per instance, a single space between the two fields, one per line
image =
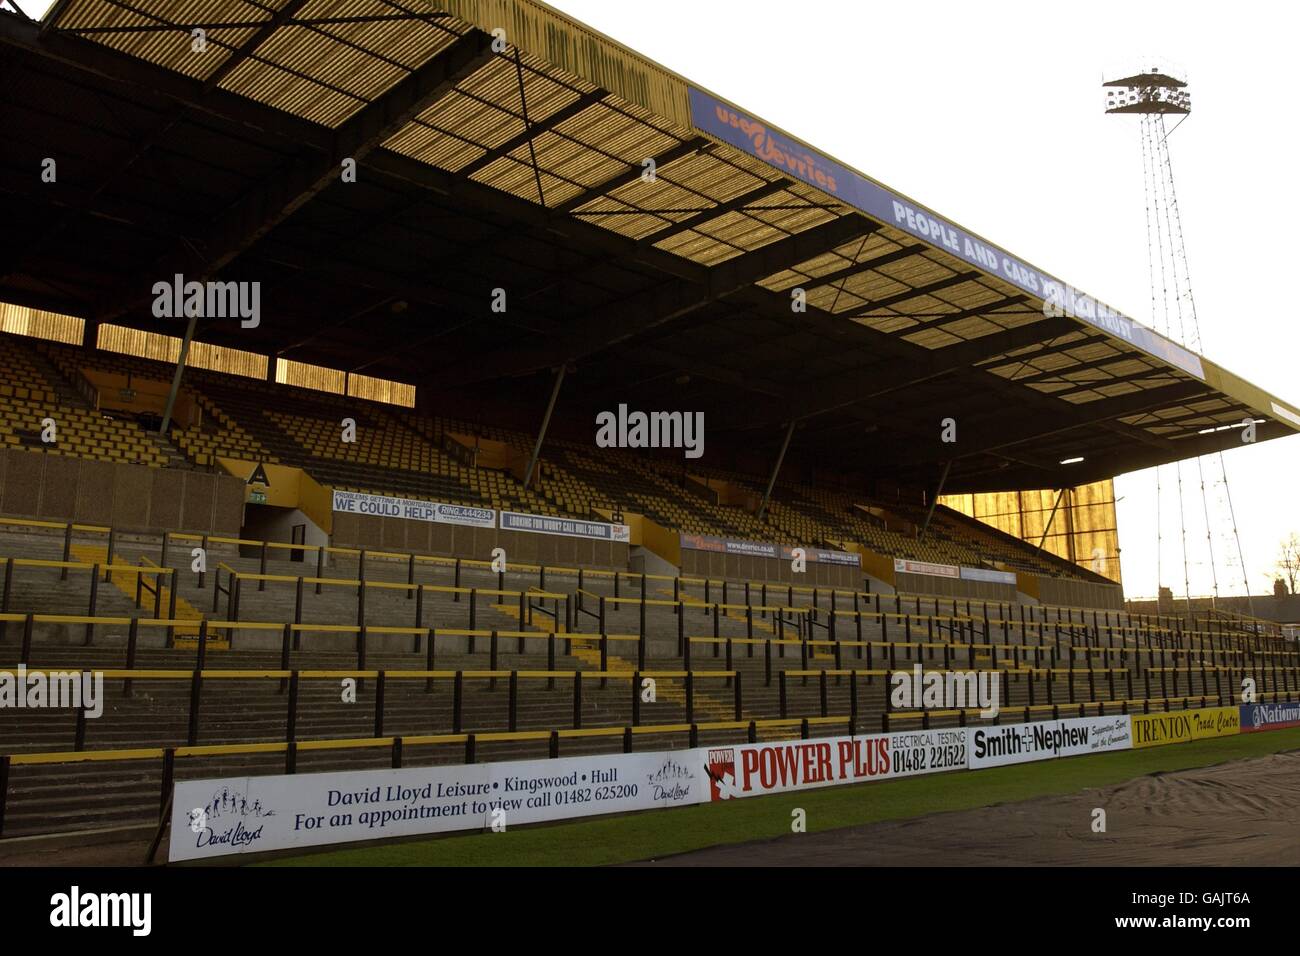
x=258 y=477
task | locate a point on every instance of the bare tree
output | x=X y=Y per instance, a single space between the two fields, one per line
x=1288 y=562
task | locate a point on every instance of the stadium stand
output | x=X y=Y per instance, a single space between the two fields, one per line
x=223 y=646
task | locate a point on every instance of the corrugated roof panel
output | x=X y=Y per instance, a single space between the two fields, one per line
x=618 y=135
x=830 y=299
x=888 y=324
x=749 y=234
x=933 y=339
x=434 y=147
x=705 y=251
x=560 y=156
x=964 y=329
x=171 y=48
x=326 y=73
x=521 y=181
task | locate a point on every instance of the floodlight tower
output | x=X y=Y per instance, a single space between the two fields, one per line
x=1152 y=96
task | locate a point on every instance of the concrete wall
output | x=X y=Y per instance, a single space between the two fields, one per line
x=127 y=497
x=423 y=537
x=954 y=587
x=1080 y=593
x=733 y=567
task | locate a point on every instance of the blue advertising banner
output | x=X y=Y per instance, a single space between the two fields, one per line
x=711 y=115
x=1269 y=716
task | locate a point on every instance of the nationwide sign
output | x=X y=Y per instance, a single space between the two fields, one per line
x=569 y=527
x=354 y=502
x=1255 y=717
x=765 y=549
x=713 y=116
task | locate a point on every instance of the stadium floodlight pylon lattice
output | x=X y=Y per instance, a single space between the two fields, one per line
x=1153 y=95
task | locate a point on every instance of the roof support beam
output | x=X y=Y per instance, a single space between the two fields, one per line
x=707 y=215
x=1107 y=382
x=1152 y=422
x=176 y=376
x=923 y=290
x=51 y=15
x=866 y=265
x=939 y=322
x=541 y=126
x=776 y=469
x=632 y=174
x=1050 y=518
x=643 y=311
x=1046 y=417
x=1057 y=373
x=249 y=46
x=838 y=393
x=1050 y=347
x=934 y=499
x=546 y=423
x=1184 y=449
x=260 y=212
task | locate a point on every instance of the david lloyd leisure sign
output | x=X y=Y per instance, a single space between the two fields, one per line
x=712 y=116
x=213 y=818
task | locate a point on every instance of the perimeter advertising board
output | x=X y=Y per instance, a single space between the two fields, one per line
x=751 y=770
x=212 y=818
x=904 y=566
x=1255 y=717
x=1046 y=740
x=765 y=549
x=385 y=506
x=1181 y=726
x=568 y=527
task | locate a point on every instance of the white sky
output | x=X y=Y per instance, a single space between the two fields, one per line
x=991 y=114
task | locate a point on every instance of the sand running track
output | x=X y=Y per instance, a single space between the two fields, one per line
x=1245 y=812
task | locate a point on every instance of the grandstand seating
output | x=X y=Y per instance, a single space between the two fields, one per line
x=454 y=662
x=399 y=452
x=27 y=397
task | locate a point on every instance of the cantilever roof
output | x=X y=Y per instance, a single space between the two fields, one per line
x=523 y=168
